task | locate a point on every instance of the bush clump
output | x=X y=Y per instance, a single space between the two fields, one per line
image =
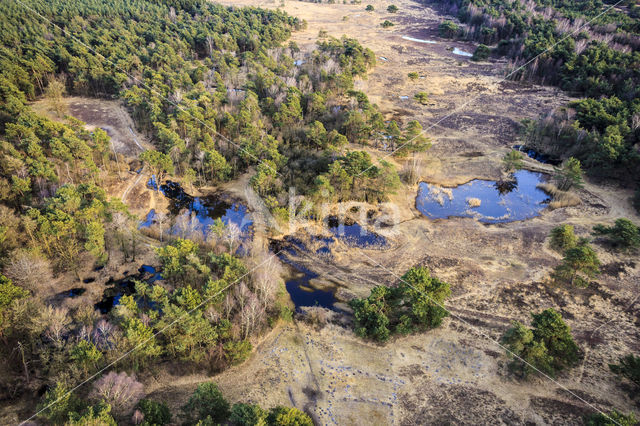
x=547 y=347
x=563 y=238
x=623 y=235
x=579 y=264
x=154 y=413
x=482 y=53
x=422 y=97
x=448 y=29
x=614 y=418
x=416 y=304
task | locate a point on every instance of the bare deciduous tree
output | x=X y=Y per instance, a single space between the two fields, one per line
x=54 y=94
x=228 y=304
x=266 y=277
x=232 y=235
x=54 y=321
x=162 y=221
x=251 y=315
x=241 y=294
x=119 y=390
x=29 y=270
x=102 y=335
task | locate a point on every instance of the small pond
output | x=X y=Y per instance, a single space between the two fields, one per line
x=460 y=52
x=538 y=156
x=499 y=202
x=126 y=286
x=71 y=293
x=353 y=234
x=418 y=40
x=206 y=209
x=301 y=292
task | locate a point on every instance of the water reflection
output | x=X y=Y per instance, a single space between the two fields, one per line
x=487 y=201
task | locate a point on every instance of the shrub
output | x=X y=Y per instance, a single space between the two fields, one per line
x=614 y=418
x=578 y=265
x=387 y=24
x=629 y=368
x=288 y=416
x=563 y=238
x=624 y=234
x=416 y=304
x=392 y=8
x=448 y=29
x=247 y=415
x=413 y=76
x=422 y=97
x=548 y=346
x=559 y=198
x=512 y=161
x=482 y=53
x=369 y=8
x=474 y=202
x=206 y=402
x=154 y=413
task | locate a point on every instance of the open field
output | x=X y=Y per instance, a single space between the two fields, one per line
x=111 y=116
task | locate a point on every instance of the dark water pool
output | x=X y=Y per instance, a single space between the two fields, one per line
x=304 y=295
x=301 y=293
x=71 y=293
x=206 y=209
x=353 y=234
x=124 y=287
x=538 y=156
x=499 y=201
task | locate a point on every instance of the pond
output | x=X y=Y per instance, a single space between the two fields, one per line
x=124 y=287
x=538 y=156
x=71 y=293
x=353 y=234
x=302 y=294
x=298 y=284
x=460 y=52
x=206 y=209
x=419 y=40
x=487 y=201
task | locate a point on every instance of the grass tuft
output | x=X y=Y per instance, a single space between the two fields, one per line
x=559 y=198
